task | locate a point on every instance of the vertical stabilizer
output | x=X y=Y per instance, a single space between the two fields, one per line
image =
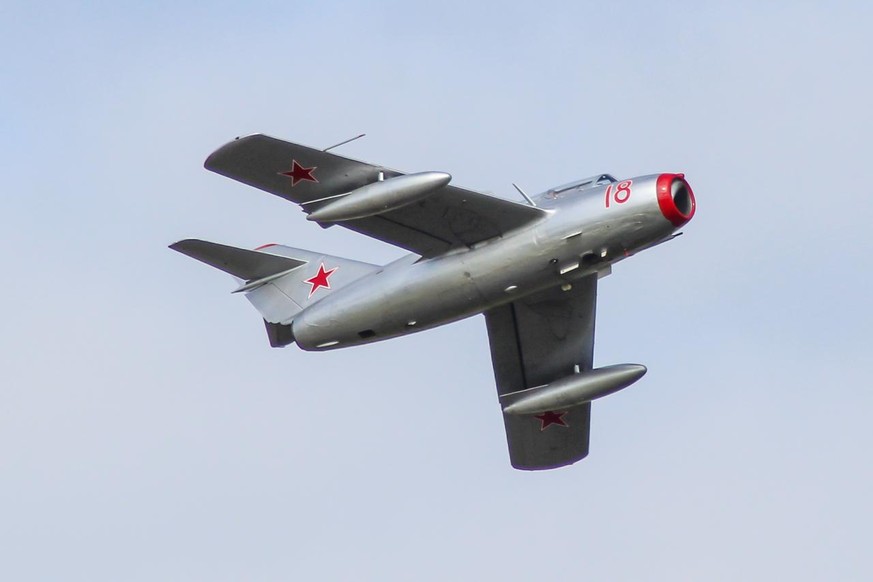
x=279 y=281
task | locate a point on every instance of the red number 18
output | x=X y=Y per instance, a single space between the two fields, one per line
x=621 y=194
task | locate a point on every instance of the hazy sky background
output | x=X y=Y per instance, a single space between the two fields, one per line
x=148 y=431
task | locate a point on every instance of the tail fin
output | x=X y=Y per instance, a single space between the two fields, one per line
x=279 y=281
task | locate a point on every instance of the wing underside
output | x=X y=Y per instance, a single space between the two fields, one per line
x=450 y=218
x=534 y=341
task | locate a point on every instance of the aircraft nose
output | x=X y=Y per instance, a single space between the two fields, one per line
x=675 y=198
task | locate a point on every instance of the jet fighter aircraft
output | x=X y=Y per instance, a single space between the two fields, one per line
x=531 y=268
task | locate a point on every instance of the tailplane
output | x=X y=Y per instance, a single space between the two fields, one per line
x=279 y=281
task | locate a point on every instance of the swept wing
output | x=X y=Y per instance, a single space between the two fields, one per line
x=534 y=341
x=451 y=218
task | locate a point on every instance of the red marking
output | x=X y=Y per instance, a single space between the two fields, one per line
x=320 y=279
x=265 y=246
x=623 y=187
x=665 y=199
x=620 y=195
x=299 y=174
x=549 y=418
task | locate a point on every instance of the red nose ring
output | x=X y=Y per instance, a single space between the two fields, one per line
x=675 y=198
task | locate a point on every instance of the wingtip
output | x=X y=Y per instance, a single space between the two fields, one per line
x=210 y=162
x=548 y=466
x=176 y=246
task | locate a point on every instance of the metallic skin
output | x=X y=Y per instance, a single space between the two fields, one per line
x=381 y=196
x=573 y=390
x=577 y=233
x=451 y=219
x=531 y=269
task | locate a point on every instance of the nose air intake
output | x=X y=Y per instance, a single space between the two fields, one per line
x=675 y=198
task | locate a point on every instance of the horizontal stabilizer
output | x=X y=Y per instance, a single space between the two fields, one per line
x=241 y=263
x=278 y=281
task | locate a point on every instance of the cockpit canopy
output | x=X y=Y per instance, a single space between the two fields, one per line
x=590 y=182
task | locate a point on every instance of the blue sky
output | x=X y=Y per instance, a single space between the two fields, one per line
x=147 y=430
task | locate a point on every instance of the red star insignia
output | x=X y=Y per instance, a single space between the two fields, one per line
x=299 y=174
x=549 y=418
x=320 y=279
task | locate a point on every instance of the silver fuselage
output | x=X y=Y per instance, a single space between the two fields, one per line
x=580 y=234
